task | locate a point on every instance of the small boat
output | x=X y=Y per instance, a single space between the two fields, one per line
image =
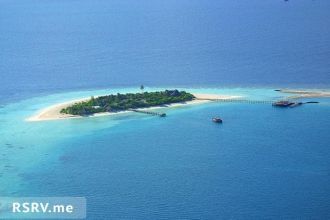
x=295 y=104
x=287 y=104
x=283 y=103
x=217 y=120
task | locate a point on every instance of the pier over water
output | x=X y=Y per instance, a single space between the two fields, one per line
x=235 y=100
x=160 y=114
x=272 y=102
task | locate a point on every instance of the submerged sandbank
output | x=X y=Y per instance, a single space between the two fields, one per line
x=54 y=112
x=297 y=94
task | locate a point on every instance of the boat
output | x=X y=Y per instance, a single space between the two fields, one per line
x=283 y=103
x=295 y=104
x=287 y=104
x=217 y=120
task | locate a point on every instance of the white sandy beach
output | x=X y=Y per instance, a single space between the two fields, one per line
x=53 y=112
x=297 y=94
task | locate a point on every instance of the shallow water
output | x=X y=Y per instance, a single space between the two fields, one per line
x=261 y=162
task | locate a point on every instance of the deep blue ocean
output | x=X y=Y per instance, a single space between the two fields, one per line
x=261 y=163
x=49 y=46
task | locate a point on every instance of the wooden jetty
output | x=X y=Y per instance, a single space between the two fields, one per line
x=239 y=101
x=279 y=103
x=160 y=114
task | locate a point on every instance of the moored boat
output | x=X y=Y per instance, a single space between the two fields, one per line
x=283 y=103
x=295 y=104
x=287 y=104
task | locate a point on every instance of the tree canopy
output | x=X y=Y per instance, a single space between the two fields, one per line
x=121 y=102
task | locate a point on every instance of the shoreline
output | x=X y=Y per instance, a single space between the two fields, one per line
x=53 y=112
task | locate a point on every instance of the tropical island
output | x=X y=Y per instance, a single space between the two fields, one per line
x=129 y=101
x=113 y=104
x=104 y=105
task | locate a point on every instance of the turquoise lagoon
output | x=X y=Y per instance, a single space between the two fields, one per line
x=261 y=162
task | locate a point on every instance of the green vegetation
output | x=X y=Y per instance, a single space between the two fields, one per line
x=121 y=102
